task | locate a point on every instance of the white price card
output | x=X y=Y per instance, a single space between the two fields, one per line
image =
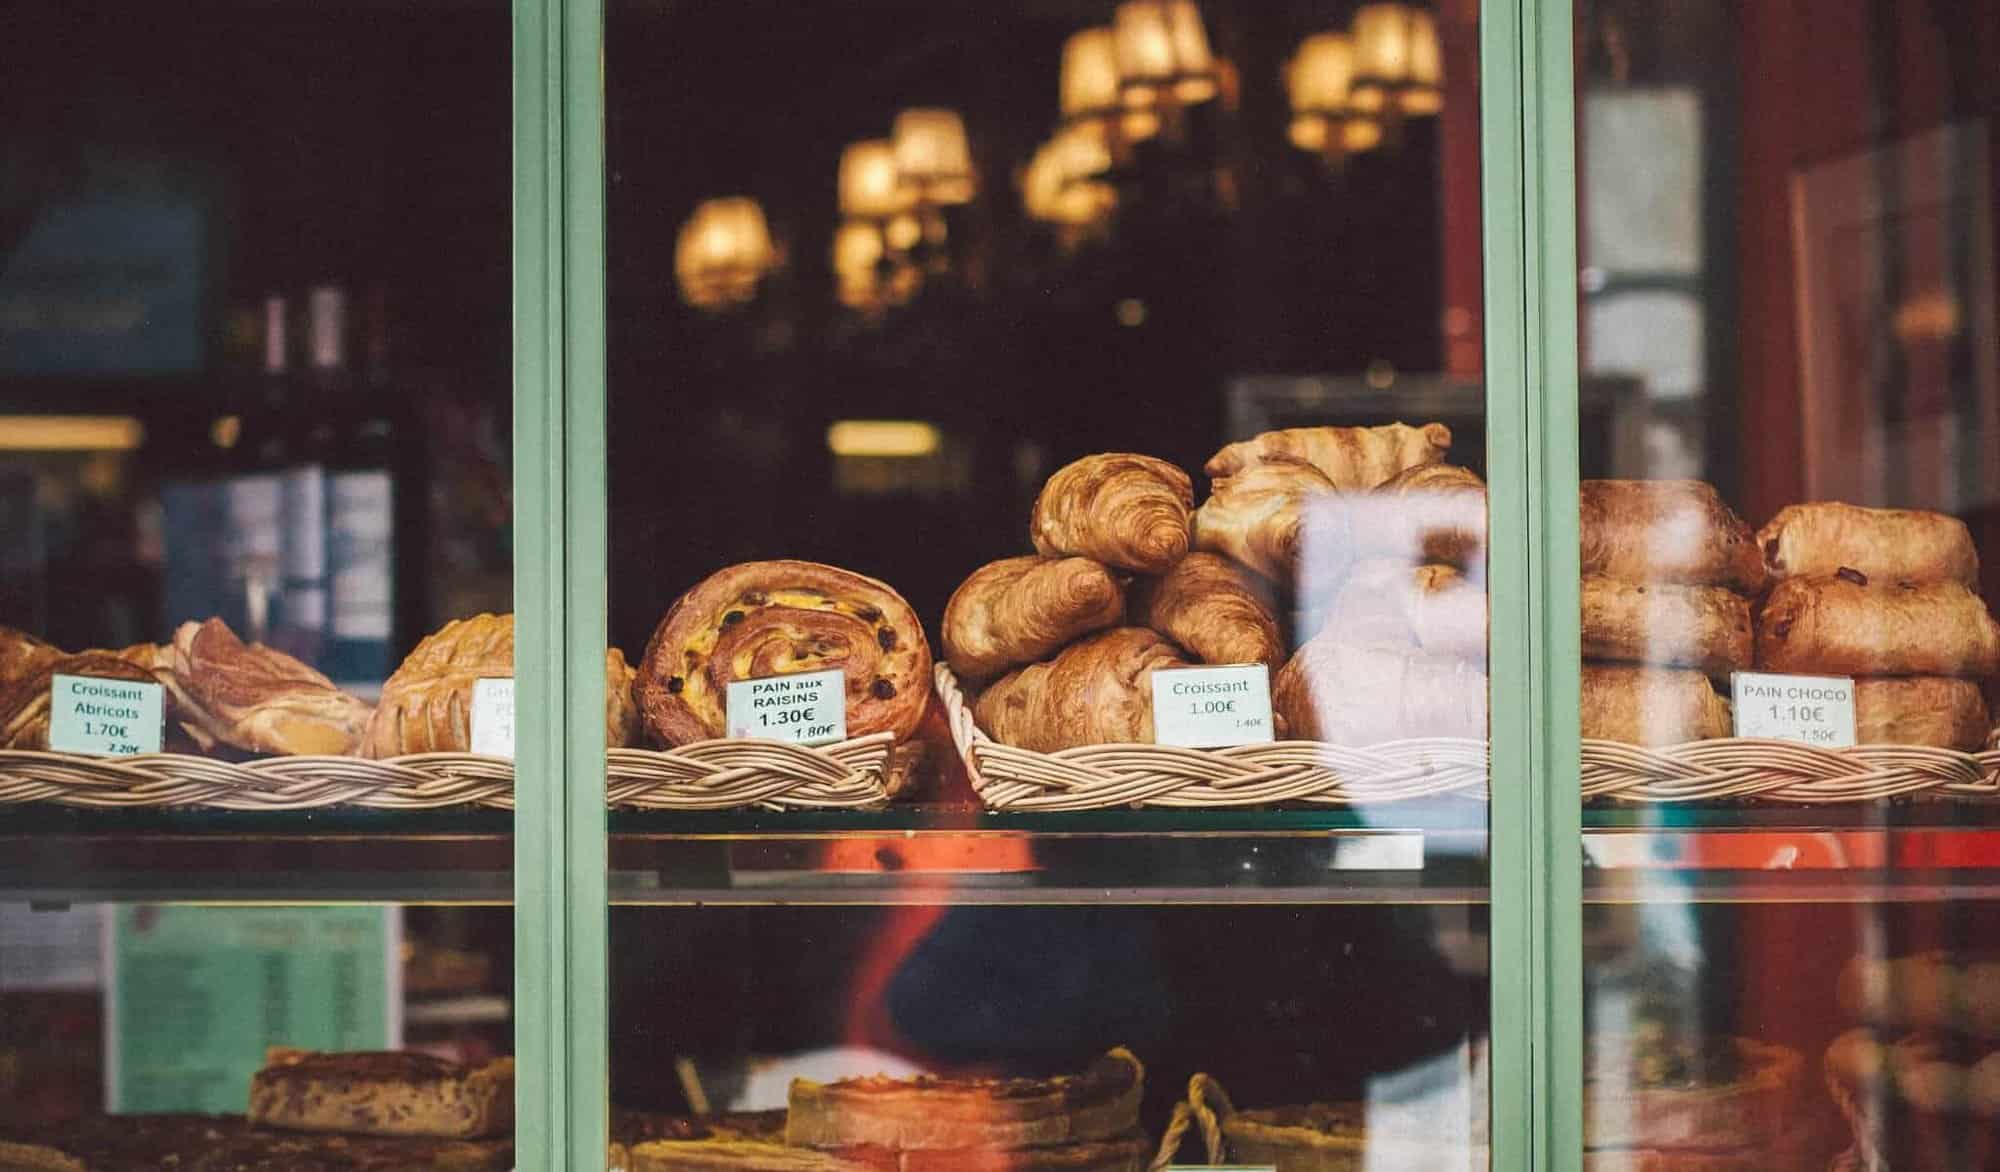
x=113 y=717
x=493 y=717
x=1212 y=707
x=1812 y=710
x=807 y=708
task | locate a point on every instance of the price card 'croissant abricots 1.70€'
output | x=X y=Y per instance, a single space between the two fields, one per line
x=808 y=708
x=1212 y=707
x=117 y=718
x=1812 y=710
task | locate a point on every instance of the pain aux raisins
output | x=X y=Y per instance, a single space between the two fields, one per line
x=887 y=638
x=675 y=684
x=882 y=690
x=732 y=618
x=867 y=614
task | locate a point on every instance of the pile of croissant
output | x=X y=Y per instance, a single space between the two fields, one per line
x=1361 y=542
x=223 y=695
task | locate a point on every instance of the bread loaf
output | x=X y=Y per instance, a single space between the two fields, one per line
x=1353 y=458
x=1704 y=627
x=1216 y=609
x=1847 y=624
x=1096 y=691
x=1121 y=509
x=1820 y=538
x=1679 y=531
x=1651 y=705
x=1018 y=610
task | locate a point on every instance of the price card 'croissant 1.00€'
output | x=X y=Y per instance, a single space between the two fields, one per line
x=1812 y=710
x=808 y=708
x=1212 y=707
x=113 y=717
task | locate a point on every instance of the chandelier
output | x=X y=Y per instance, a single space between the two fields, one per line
x=724 y=249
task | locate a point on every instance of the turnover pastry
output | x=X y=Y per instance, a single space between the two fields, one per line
x=1353 y=458
x=24 y=702
x=252 y=697
x=1360 y=695
x=1820 y=538
x=22 y=654
x=1426 y=513
x=1651 y=705
x=1096 y=691
x=776 y=618
x=401 y=1093
x=1846 y=624
x=1430 y=608
x=1019 y=610
x=1219 y=611
x=426 y=706
x=1117 y=508
x=1282 y=518
x=1667 y=531
x=1706 y=627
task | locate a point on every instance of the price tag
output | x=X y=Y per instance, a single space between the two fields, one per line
x=493 y=717
x=808 y=708
x=1812 y=710
x=111 y=717
x=1212 y=707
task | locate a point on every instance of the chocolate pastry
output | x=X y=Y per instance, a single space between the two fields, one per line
x=1218 y=610
x=1018 y=610
x=251 y=697
x=1283 y=519
x=1849 y=624
x=762 y=619
x=399 y=1093
x=1651 y=705
x=1678 y=531
x=1357 y=696
x=1353 y=458
x=1938 y=711
x=1121 y=509
x=1425 y=513
x=1096 y=691
x=1706 y=627
x=1818 y=539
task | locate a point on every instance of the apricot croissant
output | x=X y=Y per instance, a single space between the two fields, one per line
x=1218 y=610
x=25 y=700
x=1121 y=509
x=1259 y=516
x=1097 y=691
x=1353 y=458
x=1018 y=610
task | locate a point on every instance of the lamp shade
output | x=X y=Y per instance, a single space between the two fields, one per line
x=1194 y=64
x=1423 y=92
x=1397 y=59
x=870 y=183
x=1089 y=79
x=1320 y=78
x=933 y=155
x=1162 y=47
x=722 y=251
x=857 y=249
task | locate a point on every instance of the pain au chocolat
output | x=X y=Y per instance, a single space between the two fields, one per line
x=1679 y=531
x=776 y=618
x=1822 y=537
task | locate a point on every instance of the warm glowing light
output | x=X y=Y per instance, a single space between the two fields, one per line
x=933 y=155
x=723 y=250
x=870 y=184
x=1320 y=77
x=1089 y=84
x=893 y=438
x=70 y=433
x=1162 y=48
x=1397 y=59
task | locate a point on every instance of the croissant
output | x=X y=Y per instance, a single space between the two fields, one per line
x=1117 y=508
x=1920 y=710
x=25 y=699
x=1705 y=627
x=1097 y=691
x=1426 y=513
x=1912 y=545
x=251 y=697
x=426 y=706
x=1429 y=608
x=1846 y=625
x=1353 y=458
x=1667 y=531
x=1357 y=695
x=763 y=619
x=21 y=654
x=1218 y=610
x=1651 y=705
x=1019 y=610
x=1259 y=516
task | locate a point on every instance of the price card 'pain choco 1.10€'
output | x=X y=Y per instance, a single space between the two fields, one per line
x=1812 y=710
x=806 y=708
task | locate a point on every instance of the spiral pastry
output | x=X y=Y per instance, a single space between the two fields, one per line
x=1019 y=610
x=1127 y=511
x=776 y=618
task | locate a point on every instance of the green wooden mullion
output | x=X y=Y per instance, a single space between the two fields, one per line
x=585 y=626
x=1513 y=852
x=1549 y=146
x=541 y=975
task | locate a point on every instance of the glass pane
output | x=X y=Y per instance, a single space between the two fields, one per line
x=1046 y=454
x=1788 y=254
x=255 y=448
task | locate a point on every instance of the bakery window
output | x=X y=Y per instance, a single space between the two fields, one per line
x=1787 y=605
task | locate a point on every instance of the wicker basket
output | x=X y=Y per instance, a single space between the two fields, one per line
x=1101 y=776
x=706 y=775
